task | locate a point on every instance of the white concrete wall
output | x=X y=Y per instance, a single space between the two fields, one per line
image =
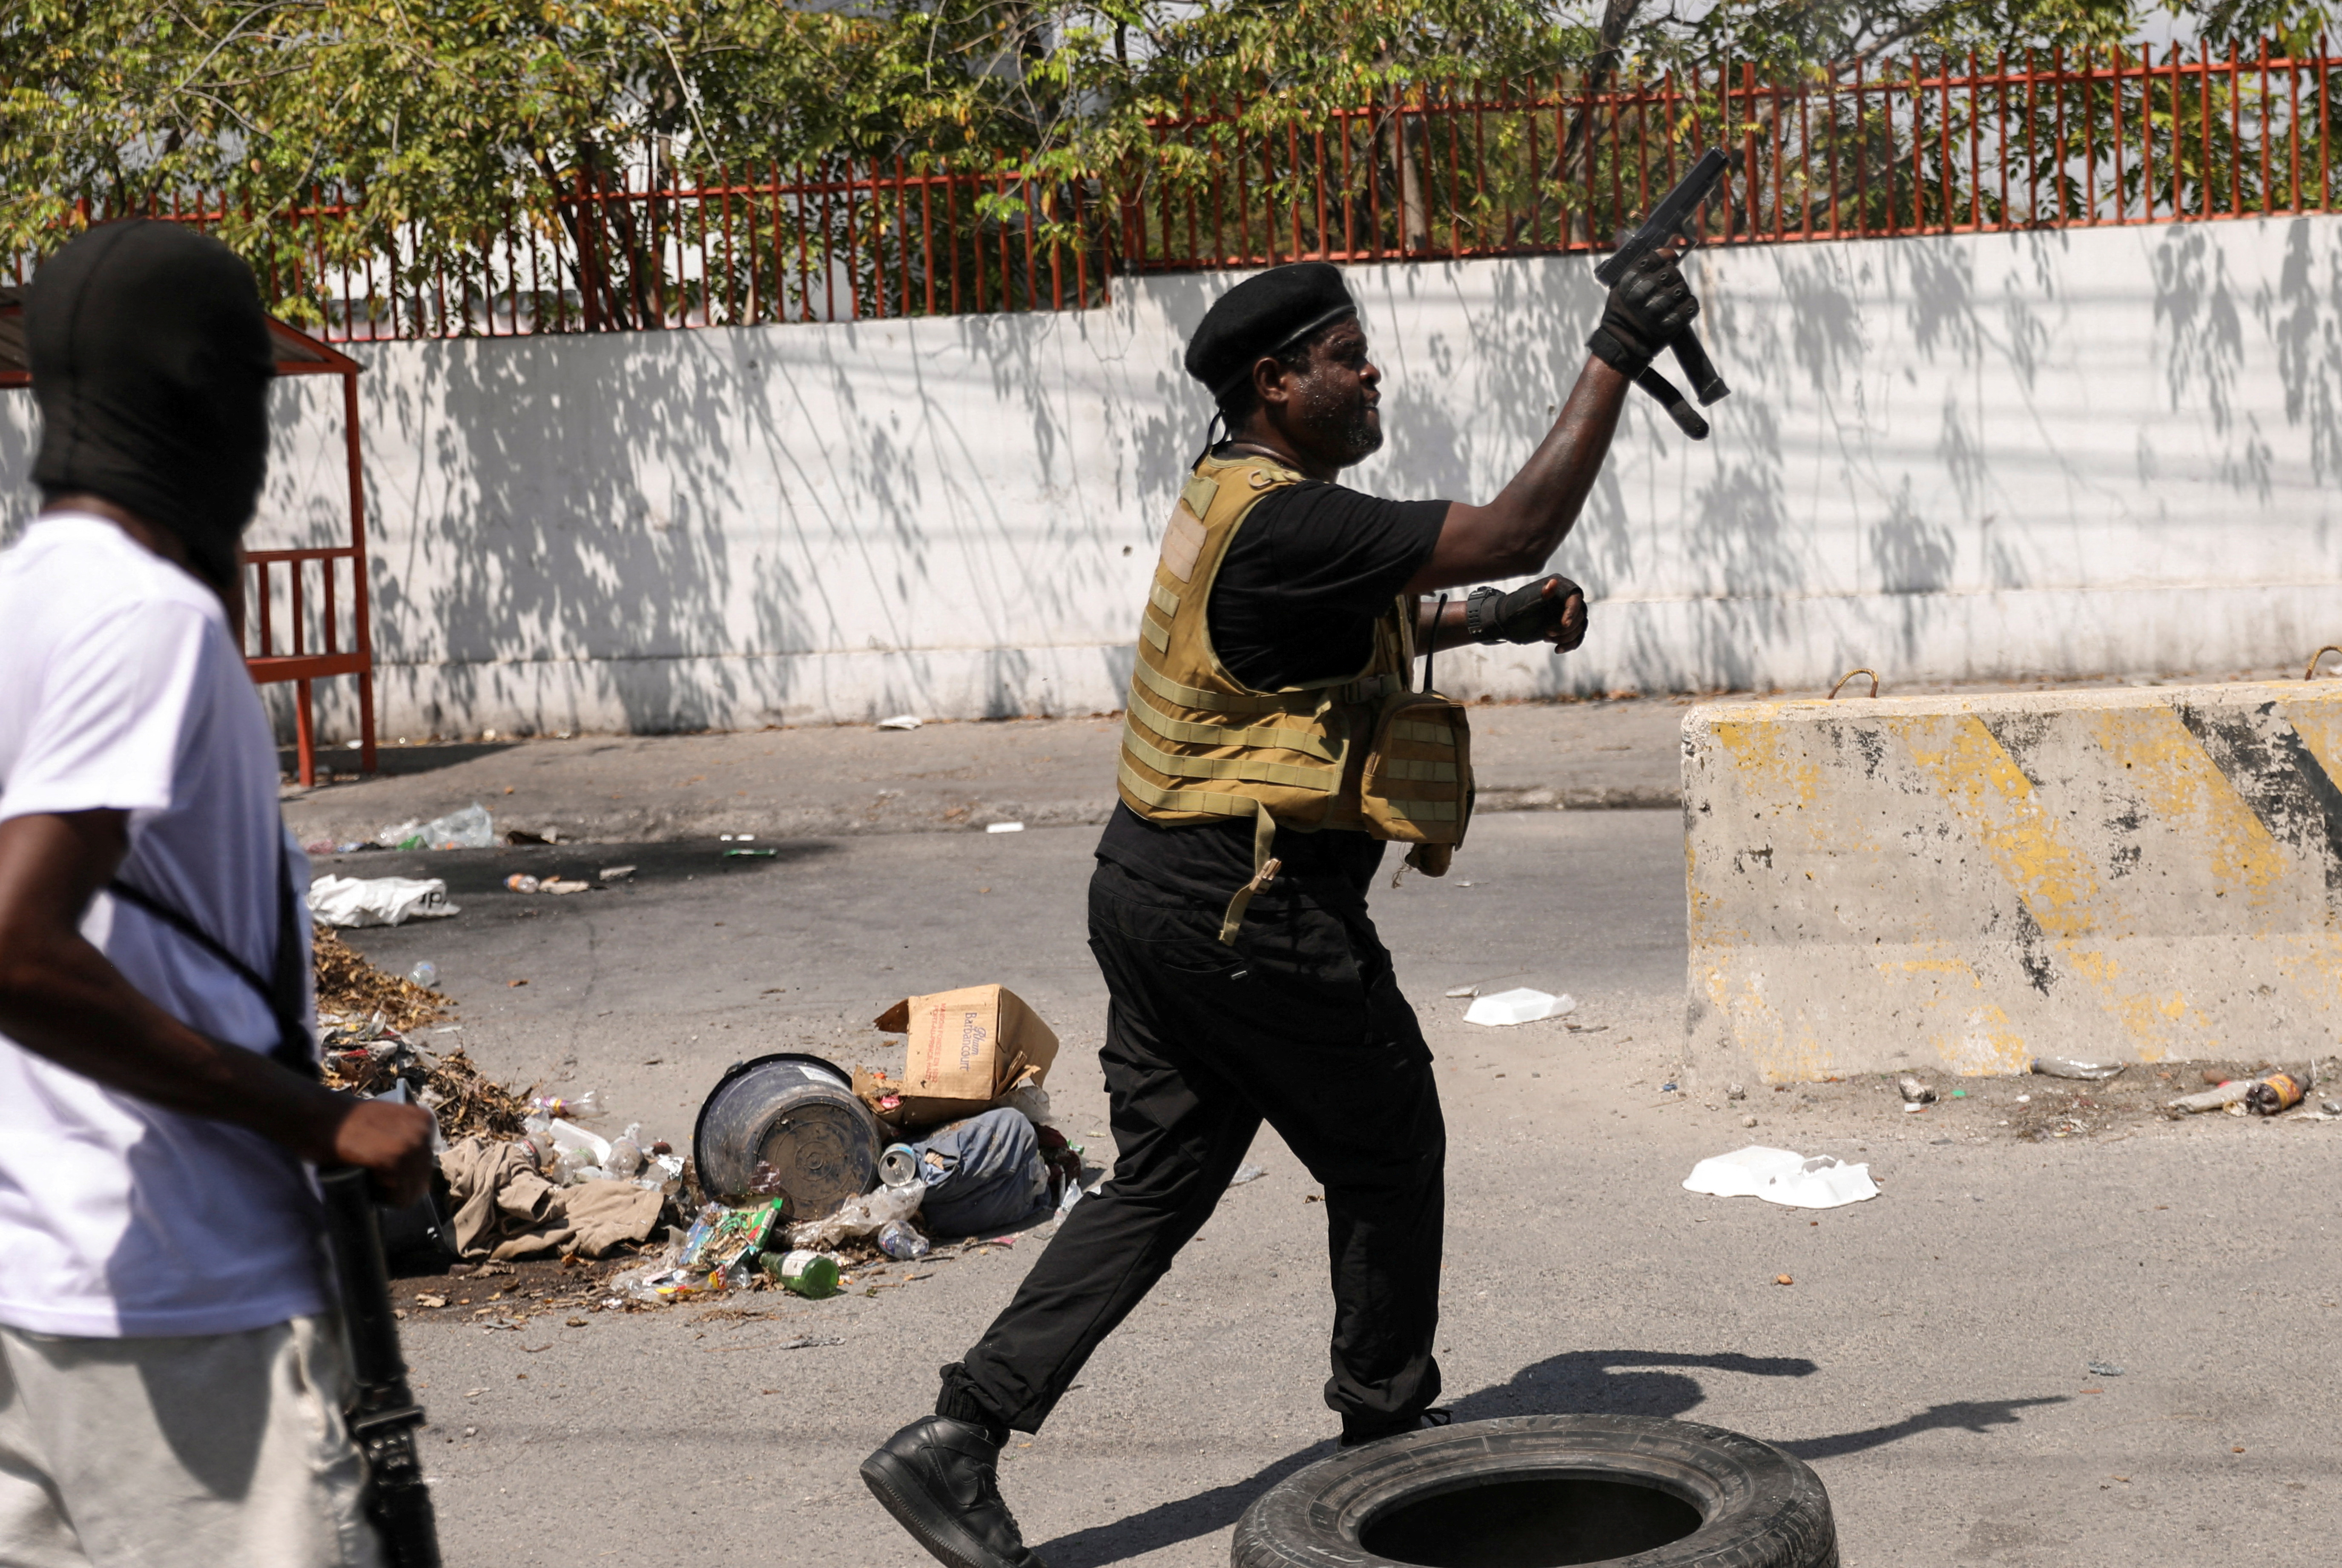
x=2066 y=452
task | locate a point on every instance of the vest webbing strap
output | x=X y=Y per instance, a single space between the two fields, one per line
x=1298 y=775
x=1263 y=835
x=1164 y=599
x=1370 y=688
x=1365 y=689
x=1209 y=801
x=1155 y=632
x=1421 y=810
x=1171 y=691
x=1284 y=739
x=1264 y=872
x=1408 y=768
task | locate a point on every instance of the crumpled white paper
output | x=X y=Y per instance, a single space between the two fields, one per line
x=1520 y=1006
x=1782 y=1176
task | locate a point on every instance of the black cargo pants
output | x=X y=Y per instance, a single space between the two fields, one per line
x=1300 y=1025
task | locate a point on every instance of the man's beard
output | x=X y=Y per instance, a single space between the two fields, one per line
x=1361 y=436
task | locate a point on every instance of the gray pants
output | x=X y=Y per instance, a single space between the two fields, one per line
x=201 y=1449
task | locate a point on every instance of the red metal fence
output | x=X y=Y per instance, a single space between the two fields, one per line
x=1907 y=146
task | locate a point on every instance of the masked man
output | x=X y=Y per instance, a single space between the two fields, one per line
x=171 y=1372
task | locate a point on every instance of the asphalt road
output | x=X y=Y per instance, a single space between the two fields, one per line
x=1929 y=1358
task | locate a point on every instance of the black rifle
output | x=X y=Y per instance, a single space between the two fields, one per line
x=1668 y=221
x=383 y=1414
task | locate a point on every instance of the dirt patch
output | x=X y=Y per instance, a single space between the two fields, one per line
x=2035 y=1107
x=506 y=1294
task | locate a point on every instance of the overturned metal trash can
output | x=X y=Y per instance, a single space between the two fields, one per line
x=798 y=1115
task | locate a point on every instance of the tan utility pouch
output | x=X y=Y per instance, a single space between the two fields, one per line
x=1416 y=785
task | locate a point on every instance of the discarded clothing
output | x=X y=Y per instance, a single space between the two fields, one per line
x=981 y=1173
x=504 y=1209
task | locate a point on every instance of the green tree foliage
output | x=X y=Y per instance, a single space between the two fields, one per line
x=435 y=126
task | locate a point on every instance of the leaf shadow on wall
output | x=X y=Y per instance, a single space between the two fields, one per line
x=691 y=526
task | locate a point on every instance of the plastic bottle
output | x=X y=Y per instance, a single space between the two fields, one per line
x=426 y=973
x=570 y=1165
x=626 y=1156
x=584 y=1107
x=538 y=1130
x=900 y=1242
x=2277 y=1091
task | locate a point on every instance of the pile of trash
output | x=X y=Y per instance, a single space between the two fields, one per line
x=364 y=1047
x=569 y=1155
x=470 y=828
x=982 y=1173
x=740 y=1247
x=559 y=1187
x=367 y=1056
x=961 y=1145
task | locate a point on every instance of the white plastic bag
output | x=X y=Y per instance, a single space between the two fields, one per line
x=349 y=901
x=470 y=828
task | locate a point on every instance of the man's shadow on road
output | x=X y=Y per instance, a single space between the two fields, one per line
x=1586 y=1382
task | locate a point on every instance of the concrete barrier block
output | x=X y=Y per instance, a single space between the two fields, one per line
x=1965 y=883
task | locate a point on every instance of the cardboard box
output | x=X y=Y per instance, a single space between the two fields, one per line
x=967 y=1048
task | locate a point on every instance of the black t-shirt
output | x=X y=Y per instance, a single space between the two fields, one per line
x=1296 y=598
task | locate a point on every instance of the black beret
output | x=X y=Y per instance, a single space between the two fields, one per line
x=1267 y=311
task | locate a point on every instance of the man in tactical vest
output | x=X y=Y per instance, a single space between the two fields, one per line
x=1273 y=746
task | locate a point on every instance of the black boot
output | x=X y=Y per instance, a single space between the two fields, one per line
x=940 y=1479
x=1361 y=1434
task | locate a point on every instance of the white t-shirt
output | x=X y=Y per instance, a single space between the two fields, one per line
x=121 y=688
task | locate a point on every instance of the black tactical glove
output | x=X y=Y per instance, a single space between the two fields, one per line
x=1528 y=614
x=1647 y=308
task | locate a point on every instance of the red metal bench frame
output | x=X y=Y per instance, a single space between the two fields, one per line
x=297 y=354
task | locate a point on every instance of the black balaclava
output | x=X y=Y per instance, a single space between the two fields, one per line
x=151 y=363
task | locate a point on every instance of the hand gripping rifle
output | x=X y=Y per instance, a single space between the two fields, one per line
x=383 y=1414
x=1668 y=221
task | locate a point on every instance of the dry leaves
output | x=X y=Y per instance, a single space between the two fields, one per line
x=349 y=985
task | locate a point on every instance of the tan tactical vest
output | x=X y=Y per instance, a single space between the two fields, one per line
x=1359 y=752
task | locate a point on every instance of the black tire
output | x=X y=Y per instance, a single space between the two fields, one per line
x=1616 y=1486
